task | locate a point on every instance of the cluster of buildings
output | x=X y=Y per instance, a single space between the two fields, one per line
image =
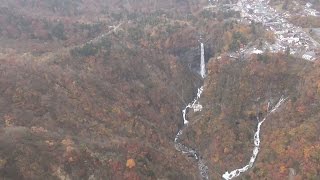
x=288 y=36
x=302 y=10
x=309 y=11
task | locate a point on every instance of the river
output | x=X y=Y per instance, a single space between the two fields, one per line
x=195 y=106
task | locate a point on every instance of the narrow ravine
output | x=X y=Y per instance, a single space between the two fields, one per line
x=196 y=106
x=235 y=173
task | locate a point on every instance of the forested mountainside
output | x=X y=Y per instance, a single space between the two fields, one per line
x=236 y=95
x=95 y=90
x=74 y=108
x=303 y=13
x=80 y=98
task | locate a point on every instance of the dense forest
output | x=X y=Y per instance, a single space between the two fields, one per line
x=94 y=90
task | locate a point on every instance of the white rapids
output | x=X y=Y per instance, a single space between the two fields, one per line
x=196 y=106
x=235 y=173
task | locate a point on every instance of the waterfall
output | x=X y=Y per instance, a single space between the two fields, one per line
x=196 y=106
x=235 y=173
x=202 y=63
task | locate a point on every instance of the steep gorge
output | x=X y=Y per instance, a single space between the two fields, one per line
x=236 y=94
x=71 y=107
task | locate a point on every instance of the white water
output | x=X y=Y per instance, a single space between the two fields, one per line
x=203 y=169
x=196 y=106
x=202 y=63
x=235 y=173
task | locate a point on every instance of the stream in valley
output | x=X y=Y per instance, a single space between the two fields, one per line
x=266 y=13
x=196 y=106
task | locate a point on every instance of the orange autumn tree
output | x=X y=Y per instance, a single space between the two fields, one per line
x=130 y=163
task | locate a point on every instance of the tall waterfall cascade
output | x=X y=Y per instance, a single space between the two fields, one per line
x=196 y=107
x=202 y=63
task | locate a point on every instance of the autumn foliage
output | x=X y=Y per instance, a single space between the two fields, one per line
x=130 y=163
x=237 y=93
